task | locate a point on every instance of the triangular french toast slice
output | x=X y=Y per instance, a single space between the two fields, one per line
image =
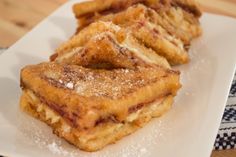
x=95 y=107
x=168 y=30
x=178 y=17
x=144 y=25
x=104 y=42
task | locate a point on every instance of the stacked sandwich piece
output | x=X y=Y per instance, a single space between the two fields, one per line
x=113 y=75
x=166 y=26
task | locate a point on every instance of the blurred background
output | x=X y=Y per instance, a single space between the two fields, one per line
x=17 y=17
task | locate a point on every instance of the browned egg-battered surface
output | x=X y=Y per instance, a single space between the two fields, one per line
x=74 y=91
x=114 y=75
x=167 y=27
x=104 y=132
x=115 y=48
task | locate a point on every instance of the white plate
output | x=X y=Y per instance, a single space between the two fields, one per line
x=188 y=130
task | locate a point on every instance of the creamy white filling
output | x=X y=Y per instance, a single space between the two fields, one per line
x=40 y=108
x=66 y=128
x=102 y=132
x=32 y=96
x=50 y=115
x=53 y=117
x=133 y=116
x=128 y=44
x=151 y=108
x=166 y=35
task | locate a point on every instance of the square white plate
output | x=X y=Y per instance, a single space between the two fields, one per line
x=188 y=130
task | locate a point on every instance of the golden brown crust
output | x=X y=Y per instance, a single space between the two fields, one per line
x=99 y=136
x=179 y=23
x=167 y=31
x=112 y=77
x=113 y=6
x=190 y=6
x=73 y=91
x=144 y=25
x=86 y=8
x=108 y=46
x=176 y=21
x=108 y=54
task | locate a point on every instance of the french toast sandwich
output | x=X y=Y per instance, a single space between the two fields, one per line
x=114 y=74
x=167 y=27
x=91 y=108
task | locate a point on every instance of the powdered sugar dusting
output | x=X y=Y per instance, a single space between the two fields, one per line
x=59 y=150
x=70 y=85
x=111 y=25
x=138 y=144
x=113 y=84
x=54 y=148
x=60 y=81
x=143 y=150
x=37 y=134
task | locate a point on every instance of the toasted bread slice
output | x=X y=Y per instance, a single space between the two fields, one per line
x=176 y=21
x=76 y=85
x=96 y=6
x=103 y=133
x=104 y=51
x=140 y=20
x=179 y=23
x=86 y=105
x=190 y=6
x=108 y=46
x=180 y=18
